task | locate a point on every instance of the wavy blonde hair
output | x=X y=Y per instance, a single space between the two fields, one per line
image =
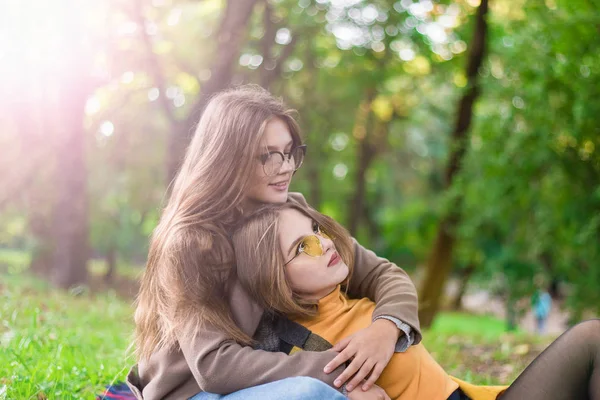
x=260 y=261
x=190 y=258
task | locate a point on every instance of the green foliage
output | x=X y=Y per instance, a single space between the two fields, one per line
x=528 y=193
x=531 y=178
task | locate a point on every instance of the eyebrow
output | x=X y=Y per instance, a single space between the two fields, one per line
x=274 y=148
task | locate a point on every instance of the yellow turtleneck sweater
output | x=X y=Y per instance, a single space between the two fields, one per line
x=412 y=375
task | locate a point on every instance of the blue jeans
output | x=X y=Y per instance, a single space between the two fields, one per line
x=297 y=388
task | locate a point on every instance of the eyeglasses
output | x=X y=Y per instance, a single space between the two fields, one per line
x=273 y=160
x=311 y=244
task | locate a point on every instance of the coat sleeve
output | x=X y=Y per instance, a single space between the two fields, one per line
x=388 y=285
x=222 y=366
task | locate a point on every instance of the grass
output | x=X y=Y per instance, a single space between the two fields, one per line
x=98 y=268
x=60 y=345
x=484 y=327
x=477 y=348
x=14 y=261
x=69 y=345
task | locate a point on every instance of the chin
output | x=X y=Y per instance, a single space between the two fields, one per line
x=277 y=198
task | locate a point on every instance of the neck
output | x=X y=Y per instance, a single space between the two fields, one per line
x=248 y=205
x=316 y=296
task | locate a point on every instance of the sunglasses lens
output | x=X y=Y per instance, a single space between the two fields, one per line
x=323 y=233
x=312 y=246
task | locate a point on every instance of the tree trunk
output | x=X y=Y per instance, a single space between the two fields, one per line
x=314 y=137
x=42 y=253
x=379 y=144
x=111 y=264
x=71 y=212
x=34 y=177
x=439 y=263
x=511 y=313
x=314 y=179
x=270 y=69
x=229 y=42
x=462 y=289
x=554 y=285
x=365 y=155
x=266 y=45
x=70 y=216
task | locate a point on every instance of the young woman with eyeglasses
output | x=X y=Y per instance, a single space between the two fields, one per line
x=198 y=333
x=306 y=263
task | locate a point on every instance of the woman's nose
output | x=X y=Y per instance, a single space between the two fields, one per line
x=327 y=244
x=287 y=166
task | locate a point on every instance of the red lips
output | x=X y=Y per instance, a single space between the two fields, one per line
x=335 y=258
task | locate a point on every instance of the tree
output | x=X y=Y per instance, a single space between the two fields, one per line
x=230 y=39
x=439 y=263
x=70 y=214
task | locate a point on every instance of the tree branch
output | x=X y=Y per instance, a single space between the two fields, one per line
x=270 y=75
x=465 y=108
x=229 y=42
x=153 y=64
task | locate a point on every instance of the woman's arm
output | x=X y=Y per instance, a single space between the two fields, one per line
x=388 y=286
x=222 y=366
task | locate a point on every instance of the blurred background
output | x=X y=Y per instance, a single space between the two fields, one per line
x=455 y=138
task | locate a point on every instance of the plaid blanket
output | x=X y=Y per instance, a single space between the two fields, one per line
x=118 y=391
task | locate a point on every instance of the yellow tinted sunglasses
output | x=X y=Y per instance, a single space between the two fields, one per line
x=311 y=244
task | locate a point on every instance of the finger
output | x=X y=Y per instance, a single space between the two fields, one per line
x=360 y=375
x=341 y=345
x=348 y=372
x=375 y=374
x=338 y=360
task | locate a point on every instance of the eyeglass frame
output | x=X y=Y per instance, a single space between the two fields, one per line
x=264 y=157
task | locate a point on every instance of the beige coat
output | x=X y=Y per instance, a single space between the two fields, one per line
x=214 y=363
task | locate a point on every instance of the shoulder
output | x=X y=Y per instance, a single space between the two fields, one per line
x=297 y=198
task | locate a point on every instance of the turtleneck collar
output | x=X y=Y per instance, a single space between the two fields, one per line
x=333 y=302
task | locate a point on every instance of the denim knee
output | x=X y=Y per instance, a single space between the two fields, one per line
x=306 y=388
x=297 y=388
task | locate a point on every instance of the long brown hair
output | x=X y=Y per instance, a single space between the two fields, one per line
x=260 y=262
x=190 y=258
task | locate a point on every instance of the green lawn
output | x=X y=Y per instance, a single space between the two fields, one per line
x=477 y=348
x=61 y=345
